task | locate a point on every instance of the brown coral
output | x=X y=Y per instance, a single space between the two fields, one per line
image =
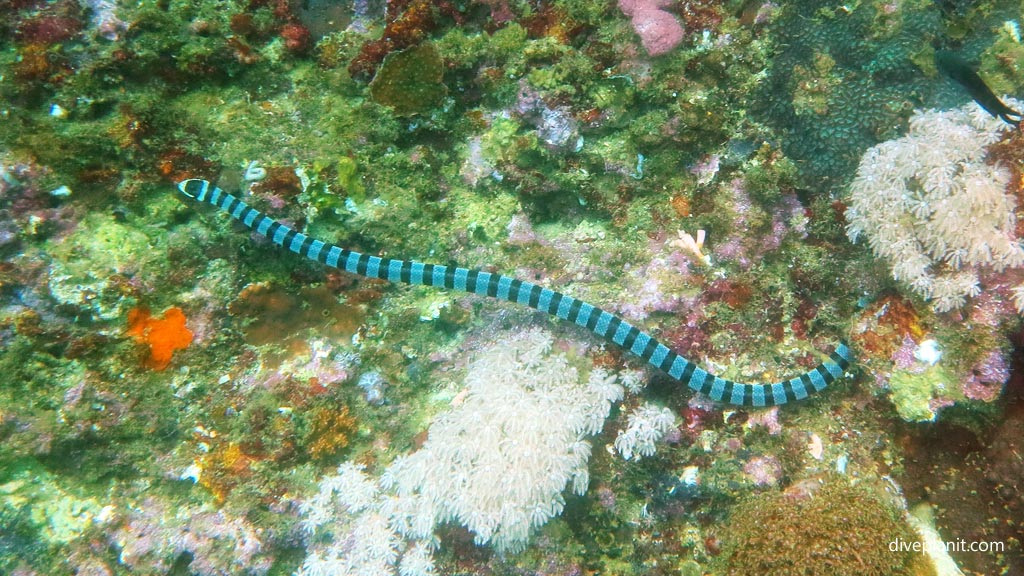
x=329 y=431
x=551 y=22
x=409 y=23
x=882 y=327
x=838 y=529
x=224 y=468
x=176 y=164
x=37 y=63
x=280 y=181
x=272 y=315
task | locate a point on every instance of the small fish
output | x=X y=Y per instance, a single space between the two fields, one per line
x=959 y=70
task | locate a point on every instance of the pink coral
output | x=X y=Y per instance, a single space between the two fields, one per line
x=659 y=31
x=763 y=470
x=903 y=357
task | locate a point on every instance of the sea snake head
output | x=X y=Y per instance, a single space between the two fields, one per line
x=193 y=188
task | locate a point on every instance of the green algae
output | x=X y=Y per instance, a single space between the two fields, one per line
x=995 y=66
x=88 y=262
x=501 y=142
x=913 y=393
x=349 y=180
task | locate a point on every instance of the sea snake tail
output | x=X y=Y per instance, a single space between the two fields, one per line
x=605 y=325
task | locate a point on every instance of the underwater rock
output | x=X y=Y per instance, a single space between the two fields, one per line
x=410 y=81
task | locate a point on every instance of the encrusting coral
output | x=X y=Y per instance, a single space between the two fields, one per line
x=162 y=335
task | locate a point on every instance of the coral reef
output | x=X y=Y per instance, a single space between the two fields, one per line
x=153 y=535
x=659 y=30
x=470 y=454
x=844 y=79
x=408 y=23
x=700 y=193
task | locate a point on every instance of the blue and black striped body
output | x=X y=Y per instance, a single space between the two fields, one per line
x=605 y=325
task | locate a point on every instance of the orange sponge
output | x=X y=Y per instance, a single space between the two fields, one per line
x=164 y=335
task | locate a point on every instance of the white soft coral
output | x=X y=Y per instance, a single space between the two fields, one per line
x=933 y=206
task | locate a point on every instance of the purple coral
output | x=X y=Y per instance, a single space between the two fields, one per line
x=787 y=218
x=373 y=386
x=8 y=230
x=27 y=208
x=903 y=358
x=650 y=293
x=987 y=378
x=767 y=419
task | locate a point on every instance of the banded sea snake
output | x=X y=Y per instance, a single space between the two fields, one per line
x=605 y=325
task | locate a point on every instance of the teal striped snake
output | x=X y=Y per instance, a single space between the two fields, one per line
x=605 y=325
